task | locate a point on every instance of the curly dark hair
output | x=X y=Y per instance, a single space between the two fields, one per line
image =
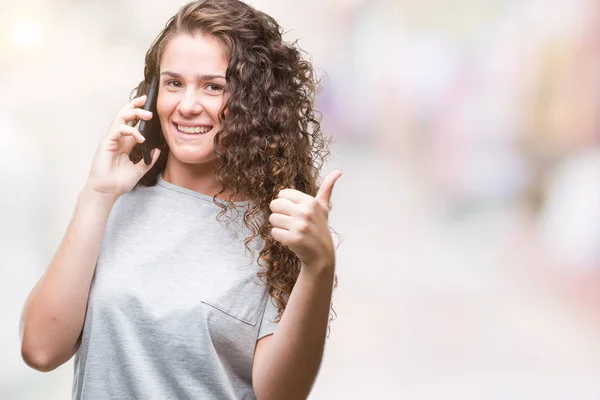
x=271 y=135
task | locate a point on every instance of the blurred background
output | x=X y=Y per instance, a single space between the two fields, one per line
x=469 y=210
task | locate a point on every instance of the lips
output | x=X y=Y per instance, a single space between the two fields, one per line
x=193 y=129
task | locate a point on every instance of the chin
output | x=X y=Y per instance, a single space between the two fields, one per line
x=189 y=157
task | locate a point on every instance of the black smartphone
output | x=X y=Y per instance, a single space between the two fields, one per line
x=146 y=126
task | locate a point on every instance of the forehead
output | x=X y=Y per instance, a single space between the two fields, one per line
x=193 y=54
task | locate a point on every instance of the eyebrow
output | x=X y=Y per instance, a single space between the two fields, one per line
x=207 y=77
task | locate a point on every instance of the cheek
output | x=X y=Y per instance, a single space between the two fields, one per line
x=165 y=104
x=216 y=104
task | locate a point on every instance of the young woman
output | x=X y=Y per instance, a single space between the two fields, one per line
x=209 y=272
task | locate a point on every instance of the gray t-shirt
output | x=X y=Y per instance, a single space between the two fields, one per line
x=175 y=308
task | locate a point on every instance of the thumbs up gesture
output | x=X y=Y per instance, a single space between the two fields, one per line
x=300 y=223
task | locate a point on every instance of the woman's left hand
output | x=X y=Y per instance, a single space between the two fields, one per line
x=300 y=223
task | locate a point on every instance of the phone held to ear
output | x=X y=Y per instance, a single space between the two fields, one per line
x=145 y=126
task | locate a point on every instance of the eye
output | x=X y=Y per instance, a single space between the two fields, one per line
x=174 y=83
x=213 y=87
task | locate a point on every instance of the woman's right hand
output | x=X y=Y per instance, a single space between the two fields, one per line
x=112 y=172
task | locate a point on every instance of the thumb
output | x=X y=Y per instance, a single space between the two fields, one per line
x=141 y=165
x=326 y=188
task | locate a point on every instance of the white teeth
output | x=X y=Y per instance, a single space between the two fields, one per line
x=193 y=129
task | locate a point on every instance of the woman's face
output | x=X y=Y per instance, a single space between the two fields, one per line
x=190 y=96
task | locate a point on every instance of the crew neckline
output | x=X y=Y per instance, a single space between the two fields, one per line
x=170 y=186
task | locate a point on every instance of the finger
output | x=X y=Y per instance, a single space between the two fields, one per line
x=281 y=221
x=281 y=235
x=295 y=196
x=135 y=113
x=141 y=165
x=283 y=206
x=326 y=188
x=126 y=130
x=135 y=103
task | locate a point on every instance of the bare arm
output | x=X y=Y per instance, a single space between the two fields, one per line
x=287 y=362
x=54 y=313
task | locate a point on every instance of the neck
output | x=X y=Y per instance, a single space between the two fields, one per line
x=197 y=177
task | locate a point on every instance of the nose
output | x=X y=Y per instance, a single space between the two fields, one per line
x=190 y=104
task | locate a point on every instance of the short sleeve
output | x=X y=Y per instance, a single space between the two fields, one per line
x=268 y=324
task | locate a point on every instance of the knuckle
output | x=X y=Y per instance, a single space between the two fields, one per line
x=302 y=226
x=306 y=212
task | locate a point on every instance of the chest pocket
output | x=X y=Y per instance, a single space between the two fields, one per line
x=242 y=298
x=233 y=311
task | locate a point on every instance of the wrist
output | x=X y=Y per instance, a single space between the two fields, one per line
x=321 y=270
x=89 y=198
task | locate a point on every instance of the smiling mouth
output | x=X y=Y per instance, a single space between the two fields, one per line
x=194 y=130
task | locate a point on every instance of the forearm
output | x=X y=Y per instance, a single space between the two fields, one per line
x=54 y=312
x=292 y=360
